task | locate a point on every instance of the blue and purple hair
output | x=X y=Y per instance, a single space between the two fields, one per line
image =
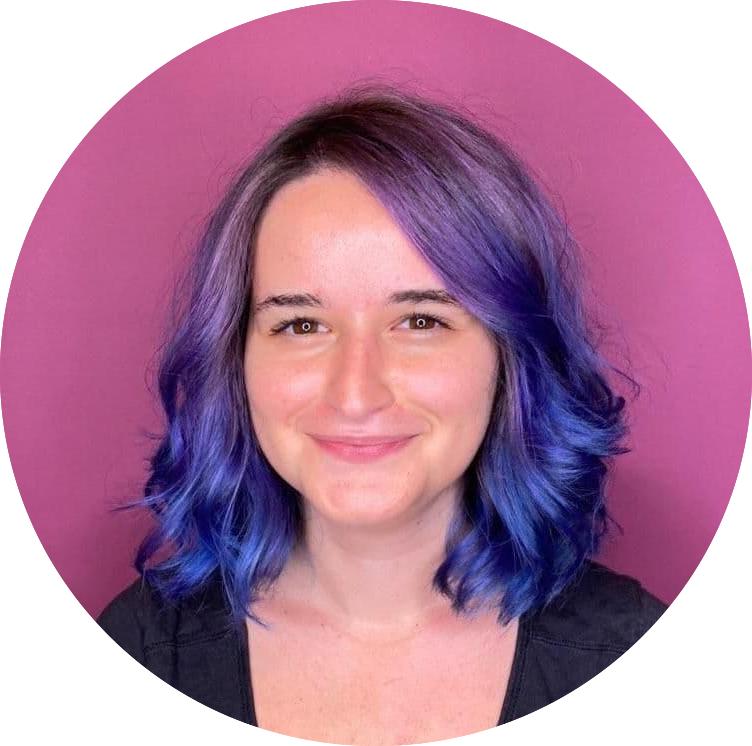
x=533 y=506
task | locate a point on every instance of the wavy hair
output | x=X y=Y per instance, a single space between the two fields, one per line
x=533 y=508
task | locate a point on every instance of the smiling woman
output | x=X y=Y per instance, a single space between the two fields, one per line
x=382 y=480
x=373 y=364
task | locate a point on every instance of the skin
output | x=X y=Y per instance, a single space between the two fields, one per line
x=362 y=366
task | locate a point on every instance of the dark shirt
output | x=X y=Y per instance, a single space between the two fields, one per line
x=194 y=646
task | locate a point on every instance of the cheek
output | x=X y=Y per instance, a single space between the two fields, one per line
x=459 y=391
x=276 y=393
x=275 y=397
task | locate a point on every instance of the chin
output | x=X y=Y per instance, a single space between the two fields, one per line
x=360 y=505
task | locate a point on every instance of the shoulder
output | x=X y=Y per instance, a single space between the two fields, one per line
x=595 y=620
x=139 y=618
x=191 y=644
x=600 y=608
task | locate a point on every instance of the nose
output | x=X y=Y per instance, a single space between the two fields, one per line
x=357 y=382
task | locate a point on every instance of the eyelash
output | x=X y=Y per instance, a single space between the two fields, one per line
x=282 y=325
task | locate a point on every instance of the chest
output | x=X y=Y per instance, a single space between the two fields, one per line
x=318 y=685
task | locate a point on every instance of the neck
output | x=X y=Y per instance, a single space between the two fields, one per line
x=374 y=582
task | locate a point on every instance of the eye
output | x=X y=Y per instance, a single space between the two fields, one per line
x=306 y=325
x=298 y=320
x=429 y=319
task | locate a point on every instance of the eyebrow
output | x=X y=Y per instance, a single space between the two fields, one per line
x=401 y=296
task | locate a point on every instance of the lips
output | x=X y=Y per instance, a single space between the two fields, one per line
x=363 y=448
x=362 y=440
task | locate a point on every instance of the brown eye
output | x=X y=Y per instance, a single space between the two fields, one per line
x=426 y=322
x=422 y=322
x=300 y=326
x=303 y=326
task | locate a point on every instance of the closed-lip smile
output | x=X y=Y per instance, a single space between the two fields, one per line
x=361 y=440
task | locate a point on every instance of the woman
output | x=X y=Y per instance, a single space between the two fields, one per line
x=383 y=472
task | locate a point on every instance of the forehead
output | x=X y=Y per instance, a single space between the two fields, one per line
x=326 y=233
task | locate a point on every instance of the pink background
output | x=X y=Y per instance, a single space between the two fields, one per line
x=89 y=292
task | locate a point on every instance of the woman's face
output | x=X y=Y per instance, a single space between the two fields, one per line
x=357 y=364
